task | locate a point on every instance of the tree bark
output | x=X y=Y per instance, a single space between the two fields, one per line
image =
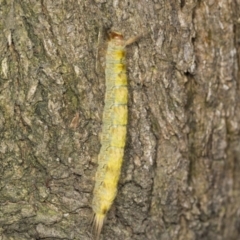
x=180 y=178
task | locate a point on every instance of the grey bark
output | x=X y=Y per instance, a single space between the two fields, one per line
x=180 y=178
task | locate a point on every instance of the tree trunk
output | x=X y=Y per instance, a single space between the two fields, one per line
x=180 y=178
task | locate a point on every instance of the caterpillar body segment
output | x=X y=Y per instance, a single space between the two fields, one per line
x=114 y=130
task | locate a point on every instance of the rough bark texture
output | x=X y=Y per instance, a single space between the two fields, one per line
x=180 y=178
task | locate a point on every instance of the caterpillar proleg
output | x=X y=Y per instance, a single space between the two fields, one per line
x=114 y=129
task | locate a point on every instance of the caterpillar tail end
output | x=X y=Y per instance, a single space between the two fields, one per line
x=98 y=224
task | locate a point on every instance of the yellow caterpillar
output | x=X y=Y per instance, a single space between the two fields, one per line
x=114 y=129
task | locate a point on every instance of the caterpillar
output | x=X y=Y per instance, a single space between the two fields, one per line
x=114 y=130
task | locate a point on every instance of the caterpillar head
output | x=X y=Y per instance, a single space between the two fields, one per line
x=116 y=37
